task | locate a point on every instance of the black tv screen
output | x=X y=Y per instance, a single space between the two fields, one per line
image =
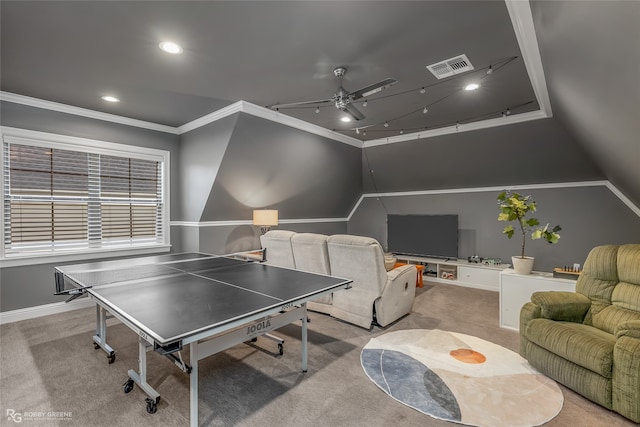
x=423 y=235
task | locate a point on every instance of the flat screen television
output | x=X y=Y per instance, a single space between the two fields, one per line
x=434 y=236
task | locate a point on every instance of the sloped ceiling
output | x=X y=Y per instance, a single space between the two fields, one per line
x=591 y=56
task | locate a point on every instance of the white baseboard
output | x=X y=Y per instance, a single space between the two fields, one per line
x=43 y=310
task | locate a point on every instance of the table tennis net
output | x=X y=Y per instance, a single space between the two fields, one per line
x=121 y=272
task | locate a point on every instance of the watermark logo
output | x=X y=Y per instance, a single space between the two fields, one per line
x=18 y=417
x=14 y=416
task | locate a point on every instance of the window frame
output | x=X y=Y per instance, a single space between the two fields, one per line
x=57 y=141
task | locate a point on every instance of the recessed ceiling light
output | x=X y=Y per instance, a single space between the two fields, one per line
x=346 y=119
x=110 y=98
x=171 y=47
x=472 y=86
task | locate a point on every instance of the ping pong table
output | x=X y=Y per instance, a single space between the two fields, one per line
x=206 y=302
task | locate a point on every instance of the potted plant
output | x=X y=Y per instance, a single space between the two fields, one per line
x=515 y=207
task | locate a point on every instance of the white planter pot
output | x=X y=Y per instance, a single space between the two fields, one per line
x=522 y=265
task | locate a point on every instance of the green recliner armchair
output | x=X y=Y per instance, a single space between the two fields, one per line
x=590 y=340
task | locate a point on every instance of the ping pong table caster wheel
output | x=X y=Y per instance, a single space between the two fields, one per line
x=111 y=358
x=152 y=406
x=280 y=349
x=96 y=346
x=128 y=386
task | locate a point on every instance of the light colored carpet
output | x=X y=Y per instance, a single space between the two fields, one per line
x=460 y=378
x=49 y=364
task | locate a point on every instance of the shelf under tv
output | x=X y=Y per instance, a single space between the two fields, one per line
x=458 y=271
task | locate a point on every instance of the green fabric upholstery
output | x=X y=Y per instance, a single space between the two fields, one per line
x=628 y=329
x=581 y=380
x=581 y=344
x=590 y=340
x=610 y=317
x=626 y=377
x=565 y=306
x=629 y=263
x=528 y=312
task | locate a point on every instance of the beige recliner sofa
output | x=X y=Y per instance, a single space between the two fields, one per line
x=311 y=255
x=375 y=294
x=277 y=246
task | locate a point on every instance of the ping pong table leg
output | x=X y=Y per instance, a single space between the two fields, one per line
x=140 y=378
x=304 y=339
x=193 y=381
x=100 y=338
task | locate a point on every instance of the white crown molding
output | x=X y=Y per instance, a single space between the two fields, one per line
x=522 y=20
x=635 y=209
x=250 y=222
x=463 y=127
x=623 y=198
x=267 y=114
x=277 y=117
x=524 y=29
x=84 y=112
x=214 y=116
x=490 y=189
x=494 y=189
x=236 y=107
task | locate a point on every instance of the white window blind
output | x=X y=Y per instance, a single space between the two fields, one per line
x=58 y=199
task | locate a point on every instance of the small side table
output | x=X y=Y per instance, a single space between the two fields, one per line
x=516 y=291
x=420 y=269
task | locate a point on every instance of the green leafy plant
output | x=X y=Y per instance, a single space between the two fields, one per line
x=515 y=207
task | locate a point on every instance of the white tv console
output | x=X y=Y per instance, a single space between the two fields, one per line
x=458 y=272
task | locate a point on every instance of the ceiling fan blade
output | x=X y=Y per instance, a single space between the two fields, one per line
x=302 y=103
x=353 y=112
x=371 y=89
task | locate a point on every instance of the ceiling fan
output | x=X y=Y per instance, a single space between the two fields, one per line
x=343 y=99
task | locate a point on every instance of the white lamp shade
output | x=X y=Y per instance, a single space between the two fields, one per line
x=265 y=217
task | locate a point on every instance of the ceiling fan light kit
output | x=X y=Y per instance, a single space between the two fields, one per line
x=452 y=67
x=343 y=99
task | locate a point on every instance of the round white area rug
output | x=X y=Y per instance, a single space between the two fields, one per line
x=460 y=378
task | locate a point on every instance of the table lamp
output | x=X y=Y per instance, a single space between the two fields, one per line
x=265 y=218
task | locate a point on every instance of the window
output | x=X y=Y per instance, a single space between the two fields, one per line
x=66 y=195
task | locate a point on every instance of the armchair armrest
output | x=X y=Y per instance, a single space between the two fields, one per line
x=626 y=370
x=630 y=328
x=397 y=296
x=392 y=275
x=563 y=306
x=552 y=305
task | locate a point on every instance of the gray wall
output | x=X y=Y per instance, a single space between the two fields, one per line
x=229 y=239
x=589 y=216
x=224 y=170
x=37 y=119
x=33 y=285
x=202 y=151
x=269 y=165
x=241 y=163
x=219 y=172
x=589 y=51
x=539 y=151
